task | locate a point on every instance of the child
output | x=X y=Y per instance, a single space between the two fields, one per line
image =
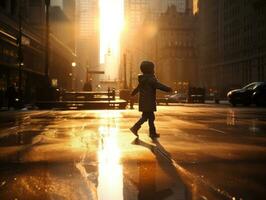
x=147 y=97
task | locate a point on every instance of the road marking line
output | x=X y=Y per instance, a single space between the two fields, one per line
x=217 y=130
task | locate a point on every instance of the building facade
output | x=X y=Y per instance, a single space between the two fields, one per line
x=176 y=47
x=232 y=43
x=143 y=21
x=88 y=37
x=32 y=49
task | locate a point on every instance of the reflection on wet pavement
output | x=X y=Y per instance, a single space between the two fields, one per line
x=204 y=153
x=20 y=138
x=231 y=118
x=148 y=173
x=110 y=177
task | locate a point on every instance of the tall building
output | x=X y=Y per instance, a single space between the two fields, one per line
x=142 y=25
x=176 y=54
x=32 y=54
x=180 y=5
x=87 y=33
x=137 y=10
x=69 y=8
x=232 y=42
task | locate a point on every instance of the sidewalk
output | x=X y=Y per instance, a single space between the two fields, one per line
x=223 y=102
x=25 y=108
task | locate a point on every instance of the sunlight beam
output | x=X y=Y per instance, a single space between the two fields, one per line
x=111 y=25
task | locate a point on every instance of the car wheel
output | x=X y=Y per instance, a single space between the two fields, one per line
x=247 y=103
x=233 y=104
x=259 y=102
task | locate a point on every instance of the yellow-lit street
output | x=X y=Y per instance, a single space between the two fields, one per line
x=204 y=152
x=132 y=100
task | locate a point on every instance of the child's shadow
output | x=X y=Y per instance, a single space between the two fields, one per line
x=165 y=163
x=158 y=150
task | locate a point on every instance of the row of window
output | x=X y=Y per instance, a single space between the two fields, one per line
x=247 y=71
x=174 y=53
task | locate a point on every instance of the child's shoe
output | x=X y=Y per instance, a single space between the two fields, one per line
x=134 y=131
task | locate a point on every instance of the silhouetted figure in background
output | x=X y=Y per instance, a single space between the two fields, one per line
x=87 y=86
x=12 y=95
x=147 y=97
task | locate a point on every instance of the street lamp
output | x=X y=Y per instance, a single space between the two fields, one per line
x=20 y=54
x=73 y=64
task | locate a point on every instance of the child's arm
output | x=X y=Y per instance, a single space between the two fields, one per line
x=135 y=91
x=162 y=87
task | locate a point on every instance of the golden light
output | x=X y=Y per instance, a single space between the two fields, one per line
x=110 y=177
x=111 y=25
x=73 y=64
x=151 y=30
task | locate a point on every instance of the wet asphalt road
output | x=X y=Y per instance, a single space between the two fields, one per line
x=205 y=152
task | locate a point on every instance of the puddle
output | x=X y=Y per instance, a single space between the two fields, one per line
x=111 y=176
x=20 y=138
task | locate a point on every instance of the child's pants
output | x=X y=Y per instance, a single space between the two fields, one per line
x=146 y=116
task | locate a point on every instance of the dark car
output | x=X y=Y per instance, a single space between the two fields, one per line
x=251 y=93
x=259 y=96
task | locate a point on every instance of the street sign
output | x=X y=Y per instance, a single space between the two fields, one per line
x=95 y=72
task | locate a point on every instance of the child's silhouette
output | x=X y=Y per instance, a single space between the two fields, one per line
x=147 y=97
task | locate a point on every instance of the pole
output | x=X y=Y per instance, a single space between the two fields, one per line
x=47 y=44
x=130 y=72
x=20 y=56
x=156 y=56
x=87 y=74
x=125 y=71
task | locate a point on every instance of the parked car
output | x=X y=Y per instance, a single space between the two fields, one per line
x=259 y=96
x=176 y=98
x=252 y=93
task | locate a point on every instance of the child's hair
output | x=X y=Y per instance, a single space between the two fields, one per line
x=147 y=67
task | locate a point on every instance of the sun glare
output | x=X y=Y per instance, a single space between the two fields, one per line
x=111 y=25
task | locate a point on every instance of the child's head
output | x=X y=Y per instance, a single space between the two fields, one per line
x=147 y=67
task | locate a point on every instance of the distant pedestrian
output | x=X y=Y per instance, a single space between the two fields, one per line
x=11 y=95
x=147 y=97
x=88 y=85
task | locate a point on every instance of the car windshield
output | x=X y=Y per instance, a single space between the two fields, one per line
x=252 y=86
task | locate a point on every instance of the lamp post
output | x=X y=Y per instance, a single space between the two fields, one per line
x=73 y=64
x=125 y=93
x=47 y=44
x=20 y=55
x=125 y=71
x=130 y=72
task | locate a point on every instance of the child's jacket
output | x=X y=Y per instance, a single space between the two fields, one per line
x=147 y=92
